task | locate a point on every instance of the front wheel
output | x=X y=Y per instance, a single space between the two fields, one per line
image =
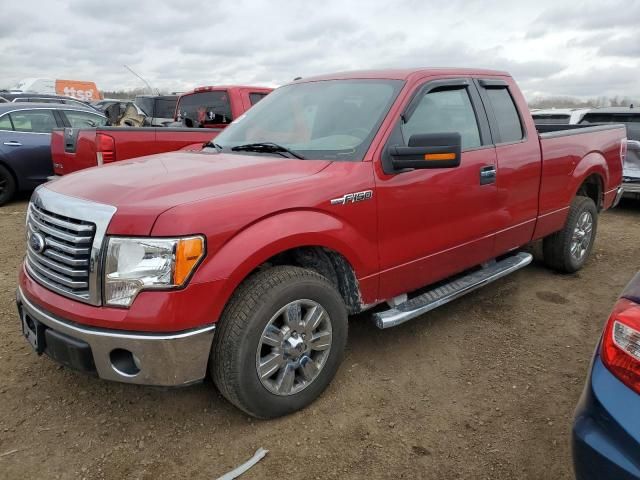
x=568 y=250
x=7 y=185
x=279 y=341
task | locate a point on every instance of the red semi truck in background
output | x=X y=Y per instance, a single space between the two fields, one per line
x=209 y=109
x=334 y=195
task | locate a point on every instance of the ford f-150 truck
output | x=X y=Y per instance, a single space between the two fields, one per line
x=395 y=191
x=210 y=108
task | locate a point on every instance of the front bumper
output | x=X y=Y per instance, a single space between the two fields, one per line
x=174 y=359
x=606 y=429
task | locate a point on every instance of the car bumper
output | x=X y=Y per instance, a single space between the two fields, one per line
x=606 y=429
x=627 y=188
x=174 y=359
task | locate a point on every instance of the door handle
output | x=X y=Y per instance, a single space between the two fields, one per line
x=487 y=175
x=13 y=144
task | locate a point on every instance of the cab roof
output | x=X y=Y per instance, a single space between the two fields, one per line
x=402 y=74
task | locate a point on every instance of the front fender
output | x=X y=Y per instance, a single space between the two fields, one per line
x=255 y=244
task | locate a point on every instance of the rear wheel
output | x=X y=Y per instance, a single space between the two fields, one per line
x=279 y=341
x=568 y=250
x=7 y=185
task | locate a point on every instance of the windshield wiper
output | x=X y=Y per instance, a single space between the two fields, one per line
x=210 y=144
x=267 y=147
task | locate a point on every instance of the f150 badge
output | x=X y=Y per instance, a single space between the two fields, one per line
x=353 y=198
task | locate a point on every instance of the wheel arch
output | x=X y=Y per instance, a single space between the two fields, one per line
x=331 y=250
x=591 y=177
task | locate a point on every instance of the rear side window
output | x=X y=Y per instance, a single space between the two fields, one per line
x=84 y=119
x=5 y=123
x=506 y=114
x=33 y=121
x=256 y=97
x=205 y=108
x=445 y=111
x=165 y=108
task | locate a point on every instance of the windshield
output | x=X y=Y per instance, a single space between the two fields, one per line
x=165 y=107
x=205 y=108
x=326 y=120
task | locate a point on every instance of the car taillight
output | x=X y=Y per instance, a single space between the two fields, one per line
x=106 y=148
x=621 y=343
x=623 y=150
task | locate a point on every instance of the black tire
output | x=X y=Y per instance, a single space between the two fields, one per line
x=7 y=185
x=557 y=247
x=233 y=362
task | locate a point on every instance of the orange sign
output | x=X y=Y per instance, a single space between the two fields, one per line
x=85 y=91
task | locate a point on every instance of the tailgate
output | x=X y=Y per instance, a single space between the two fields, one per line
x=73 y=149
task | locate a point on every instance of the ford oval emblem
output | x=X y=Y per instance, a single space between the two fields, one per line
x=37 y=242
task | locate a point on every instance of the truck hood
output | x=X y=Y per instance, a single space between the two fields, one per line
x=143 y=188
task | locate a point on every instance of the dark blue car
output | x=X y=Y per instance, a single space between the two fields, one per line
x=25 y=141
x=606 y=429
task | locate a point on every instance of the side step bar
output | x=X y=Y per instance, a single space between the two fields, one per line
x=450 y=291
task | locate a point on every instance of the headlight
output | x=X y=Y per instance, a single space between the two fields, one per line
x=136 y=264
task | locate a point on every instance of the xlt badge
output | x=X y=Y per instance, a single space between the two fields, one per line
x=353 y=197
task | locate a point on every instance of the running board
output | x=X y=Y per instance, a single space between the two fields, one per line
x=450 y=291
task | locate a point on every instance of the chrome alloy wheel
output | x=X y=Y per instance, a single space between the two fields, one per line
x=294 y=347
x=581 y=238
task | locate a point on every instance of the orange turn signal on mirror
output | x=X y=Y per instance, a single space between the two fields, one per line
x=189 y=251
x=440 y=156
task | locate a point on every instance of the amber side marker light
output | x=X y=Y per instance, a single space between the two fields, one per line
x=440 y=156
x=189 y=251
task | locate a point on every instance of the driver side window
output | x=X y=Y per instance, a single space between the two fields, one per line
x=79 y=119
x=445 y=111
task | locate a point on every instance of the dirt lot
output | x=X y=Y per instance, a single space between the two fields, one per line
x=482 y=388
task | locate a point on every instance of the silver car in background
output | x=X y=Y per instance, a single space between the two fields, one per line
x=630 y=117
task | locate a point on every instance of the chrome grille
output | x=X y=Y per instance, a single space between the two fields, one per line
x=59 y=251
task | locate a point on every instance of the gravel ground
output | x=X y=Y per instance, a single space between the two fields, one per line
x=484 y=387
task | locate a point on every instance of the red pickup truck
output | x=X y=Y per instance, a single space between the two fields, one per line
x=216 y=107
x=395 y=191
x=210 y=108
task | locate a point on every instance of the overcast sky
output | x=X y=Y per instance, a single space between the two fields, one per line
x=581 y=48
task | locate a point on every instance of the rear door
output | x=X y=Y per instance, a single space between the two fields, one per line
x=26 y=147
x=519 y=162
x=437 y=222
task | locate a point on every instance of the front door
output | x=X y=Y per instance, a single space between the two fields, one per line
x=437 y=222
x=27 y=146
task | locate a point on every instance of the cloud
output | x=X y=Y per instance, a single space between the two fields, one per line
x=626 y=46
x=547 y=46
x=590 y=15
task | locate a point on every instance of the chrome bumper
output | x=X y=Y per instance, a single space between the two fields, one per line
x=626 y=187
x=160 y=359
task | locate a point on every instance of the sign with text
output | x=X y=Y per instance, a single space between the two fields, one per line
x=85 y=91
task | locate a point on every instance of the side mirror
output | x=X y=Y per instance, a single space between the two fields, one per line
x=431 y=150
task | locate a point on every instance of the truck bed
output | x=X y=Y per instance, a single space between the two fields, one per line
x=600 y=142
x=74 y=149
